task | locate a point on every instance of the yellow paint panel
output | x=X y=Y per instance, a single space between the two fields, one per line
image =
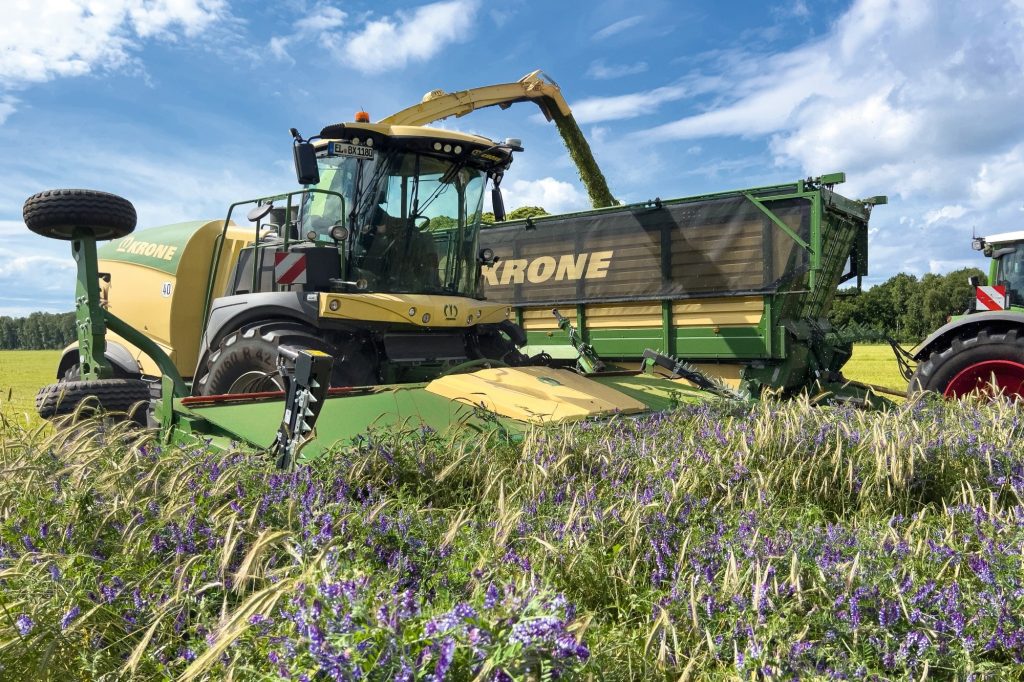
x=535 y=394
x=169 y=308
x=628 y=315
x=723 y=312
x=541 y=319
x=443 y=311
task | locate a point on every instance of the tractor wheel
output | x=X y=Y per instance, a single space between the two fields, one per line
x=246 y=361
x=57 y=213
x=972 y=363
x=129 y=396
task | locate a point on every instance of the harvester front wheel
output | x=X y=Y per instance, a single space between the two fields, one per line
x=973 y=363
x=246 y=361
x=128 y=396
x=63 y=213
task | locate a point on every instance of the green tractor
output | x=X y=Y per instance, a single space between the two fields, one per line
x=982 y=350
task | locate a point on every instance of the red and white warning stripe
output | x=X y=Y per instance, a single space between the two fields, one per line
x=991 y=298
x=289 y=268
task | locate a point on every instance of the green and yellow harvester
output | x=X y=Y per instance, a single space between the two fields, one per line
x=368 y=298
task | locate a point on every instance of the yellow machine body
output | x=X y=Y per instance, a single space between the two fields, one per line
x=156 y=281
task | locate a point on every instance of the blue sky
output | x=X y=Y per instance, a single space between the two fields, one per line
x=183 y=106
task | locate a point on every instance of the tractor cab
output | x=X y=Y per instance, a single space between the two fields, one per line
x=1005 y=288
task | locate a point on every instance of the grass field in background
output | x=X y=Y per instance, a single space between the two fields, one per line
x=22 y=373
x=875 y=365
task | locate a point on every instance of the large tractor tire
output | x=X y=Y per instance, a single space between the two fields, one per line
x=58 y=213
x=246 y=361
x=127 y=396
x=971 y=364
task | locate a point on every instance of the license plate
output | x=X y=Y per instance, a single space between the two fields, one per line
x=357 y=150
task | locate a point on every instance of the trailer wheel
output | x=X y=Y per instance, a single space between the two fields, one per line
x=56 y=213
x=246 y=361
x=972 y=363
x=128 y=396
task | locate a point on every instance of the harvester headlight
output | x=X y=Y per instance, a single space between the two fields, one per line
x=437 y=146
x=339 y=233
x=355 y=140
x=447 y=148
x=426 y=318
x=457 y=149
x=311 y=236
x=978 y=243
x=334 y=305
x=412 y=312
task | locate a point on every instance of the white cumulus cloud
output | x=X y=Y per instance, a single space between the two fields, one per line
x=392 y=42
x=945 y=213
x=918 y=100
x=597 y=109
x=553 y=195
x=376 y=45
x=45 y=39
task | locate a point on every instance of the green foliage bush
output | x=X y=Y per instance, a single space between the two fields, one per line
x=38 y=331
x=905 y=307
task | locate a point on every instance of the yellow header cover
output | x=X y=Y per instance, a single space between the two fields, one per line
x=535 y=394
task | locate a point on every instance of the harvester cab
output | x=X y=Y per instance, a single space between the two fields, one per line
x=375 y=261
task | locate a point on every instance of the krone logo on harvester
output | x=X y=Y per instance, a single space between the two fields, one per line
x=592 y=265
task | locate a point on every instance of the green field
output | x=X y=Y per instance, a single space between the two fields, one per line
x=875 y=364
x=22 y=373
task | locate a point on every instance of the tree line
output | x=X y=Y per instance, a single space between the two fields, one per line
x=38 y=331
x=905 y=307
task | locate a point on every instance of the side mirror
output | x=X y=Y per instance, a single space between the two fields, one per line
x=497 y=205
x=258 y=213
x=974 y=280
x=306 y=170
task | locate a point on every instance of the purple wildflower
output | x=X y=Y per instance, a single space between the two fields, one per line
x=69 y=616
x=24 y=624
